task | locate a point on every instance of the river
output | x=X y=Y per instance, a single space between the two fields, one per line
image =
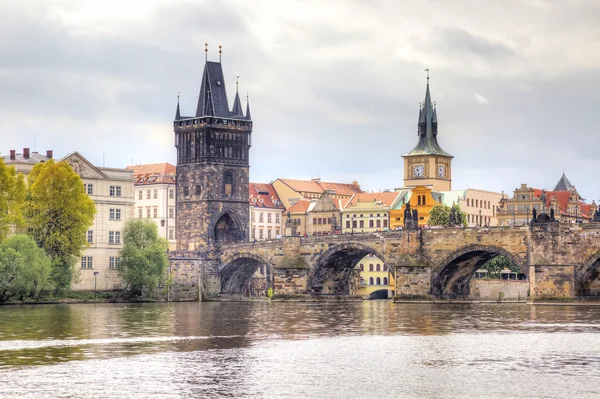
x=370 y=349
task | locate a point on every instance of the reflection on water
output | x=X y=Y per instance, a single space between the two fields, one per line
x=357 y=349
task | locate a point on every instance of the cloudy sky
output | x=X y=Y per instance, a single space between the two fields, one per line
x=334 y=85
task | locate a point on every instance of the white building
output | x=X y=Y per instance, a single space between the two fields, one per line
x=154 y=195
x=111 y=190
x=266 y=212
x=480 y=206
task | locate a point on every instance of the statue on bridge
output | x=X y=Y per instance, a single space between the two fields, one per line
x=533 y=219
x=291 y=226
x=597 y=215
x=411 y=218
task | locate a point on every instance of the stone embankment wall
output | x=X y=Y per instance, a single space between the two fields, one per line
x=499 y=290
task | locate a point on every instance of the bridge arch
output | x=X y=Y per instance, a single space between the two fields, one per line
x=237 y=271
x=587 y=282
x=451 y=278
x=334 y=268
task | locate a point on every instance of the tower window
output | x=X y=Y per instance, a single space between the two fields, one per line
x=228 y=183
x=198 y=190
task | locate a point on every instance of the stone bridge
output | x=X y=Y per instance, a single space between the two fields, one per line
x=560 y=262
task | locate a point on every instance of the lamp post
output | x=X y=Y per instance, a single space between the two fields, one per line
x=95 y=274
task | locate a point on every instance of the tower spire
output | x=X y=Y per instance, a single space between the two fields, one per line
x=177 y=112
x=248 y=107
x=237 y=104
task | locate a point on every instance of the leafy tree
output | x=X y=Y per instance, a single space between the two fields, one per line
x=496 y=265
x=143 y=257
x=440 y=215
x=59 y=213
x=12 y=199
x=24 y=267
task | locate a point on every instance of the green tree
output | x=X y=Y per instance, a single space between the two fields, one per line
x=496 y=265
x=440 y=215
x=24 y=267
x=12 y=199
x=143 y=257
x=59 y=213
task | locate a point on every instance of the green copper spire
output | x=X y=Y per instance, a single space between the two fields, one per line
x=428 y=128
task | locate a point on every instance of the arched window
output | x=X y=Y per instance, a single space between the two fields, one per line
x=228 y=183
x=423 y=201
x=362 y=267
x=371 y=267
x=378 y=281
x=419 y=200
x=378 y=267
x=385 y=282
x=370 y=280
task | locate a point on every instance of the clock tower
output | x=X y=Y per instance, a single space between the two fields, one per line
x=428 y=164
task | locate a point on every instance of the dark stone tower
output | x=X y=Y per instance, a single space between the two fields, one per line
x=212 y=167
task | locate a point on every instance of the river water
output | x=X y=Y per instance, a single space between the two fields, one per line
x=371 y=349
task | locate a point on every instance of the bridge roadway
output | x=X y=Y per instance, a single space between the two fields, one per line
x=560 y=261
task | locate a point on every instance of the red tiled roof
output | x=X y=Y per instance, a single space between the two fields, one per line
x=299 y=207
x=263 y=195
x=563 y=198
x=386 y=197
x=154 y=173
x=315 y=186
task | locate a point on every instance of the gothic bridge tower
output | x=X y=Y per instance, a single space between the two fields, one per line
x=212 y=166
x=428 y=164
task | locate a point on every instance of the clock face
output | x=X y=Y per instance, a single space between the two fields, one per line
x=441 y=170
x=418 y=170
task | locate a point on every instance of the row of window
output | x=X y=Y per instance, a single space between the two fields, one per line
x=478 y=203
x=378 y=268
x=261 y=234
x=378 y=281
x=371 y=215
x=261 y=218
x=478 y=219
x=114 y=191
x=421 y=200
x=154 y=194
x=87 y=262
x=372 y=224
x=154 y=212
x=322 y=220
x=114 y=237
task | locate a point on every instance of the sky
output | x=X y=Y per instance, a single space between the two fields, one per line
x=334 y=86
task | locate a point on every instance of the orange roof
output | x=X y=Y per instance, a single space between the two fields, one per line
x=317 y=186
x=586 y=210
x=299 y=207
x=563 y=198
x=153 y=173
x=263 y=195
x=387 y=198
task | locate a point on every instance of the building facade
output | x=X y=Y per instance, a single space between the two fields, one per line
x=314 y=217
x=213 y=149
x=565 y=204
x=111 y=189
x=421 y=198
x=368 y=212
x=376 y=279
x=428 y=164
x=266 y=212
x=154 y=194
x=479 y=206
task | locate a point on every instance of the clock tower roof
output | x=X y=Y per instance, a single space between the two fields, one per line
x=428 y=129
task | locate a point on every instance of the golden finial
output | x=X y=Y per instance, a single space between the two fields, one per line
x=220 y=51
x=206 y=51
x=237 y=83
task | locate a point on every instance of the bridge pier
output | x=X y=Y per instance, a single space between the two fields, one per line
x=195 y=276
x=413 y=280
x=551 y=282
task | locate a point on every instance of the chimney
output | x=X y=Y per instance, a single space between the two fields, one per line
x=317 y=180
x=49 y=153
x=12 y=155
x=25 y=153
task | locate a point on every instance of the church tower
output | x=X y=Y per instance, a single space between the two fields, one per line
x=213 y=149
x=427 y=164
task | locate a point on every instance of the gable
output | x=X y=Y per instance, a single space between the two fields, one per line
x=325 y=204
x=83 y=167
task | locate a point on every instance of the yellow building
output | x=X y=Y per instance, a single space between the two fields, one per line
x=421 y=198
x=377 y=280
x=368 y=212
x=428 y=164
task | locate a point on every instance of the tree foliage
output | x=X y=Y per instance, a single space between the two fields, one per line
x=12 y=199
x=59 y=213
x=496 y=265
x=143 y=257
x=24 y=267
x=440 y=215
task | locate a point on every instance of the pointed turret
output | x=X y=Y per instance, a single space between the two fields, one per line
x=237 y=104
x=564 y=184
x=428 y=129
x=177 y=112
x=248 y=109
x=212 y=100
